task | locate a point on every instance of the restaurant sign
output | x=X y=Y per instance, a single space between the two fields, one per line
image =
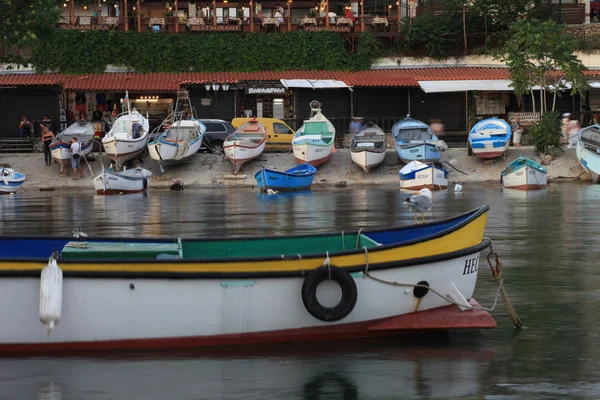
x=217 y=28
x=327 y=28
x=77 y=27
x=265 y=90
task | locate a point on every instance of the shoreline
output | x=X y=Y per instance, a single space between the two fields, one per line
x=209 y=171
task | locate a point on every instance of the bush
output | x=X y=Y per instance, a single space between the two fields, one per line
x=546 y=134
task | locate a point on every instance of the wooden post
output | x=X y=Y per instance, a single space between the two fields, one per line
x=176 y=17
x=251 y=17
x=214 y=12
x=139 y=16
x=72 y=11
x=326 y=12
x=399 y=3
x=289 y=16
x=362 y=16
x=125 y=15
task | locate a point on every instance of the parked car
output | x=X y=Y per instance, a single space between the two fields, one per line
x=279 y=134
x=217 y=131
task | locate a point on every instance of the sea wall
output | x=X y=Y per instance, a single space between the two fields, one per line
x=210 y=171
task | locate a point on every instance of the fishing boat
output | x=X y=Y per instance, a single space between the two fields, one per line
x=368 y=147
x=588 y=151
x=133 y=180
x=299 y=177
x=415 y=141
x=10 y=180
x=128 y=136
x=182 y=138
x=60 y=148
x=417 y=175
x=162 y=293
x=314 y=142
x=489 y=138
x=245 y=143
x=524 y=174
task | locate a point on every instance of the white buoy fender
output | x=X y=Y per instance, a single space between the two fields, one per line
x=458 y=187
x=51 y=284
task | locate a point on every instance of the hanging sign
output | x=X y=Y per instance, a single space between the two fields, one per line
x=265 y=90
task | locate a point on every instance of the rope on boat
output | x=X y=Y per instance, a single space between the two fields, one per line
x=327 y=263
x=496 y=274
x=358 y=237
x=78 y=245
x=343 y=242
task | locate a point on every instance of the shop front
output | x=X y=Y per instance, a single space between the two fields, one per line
x=33 y=102
x=265 y=100
x=213 y=100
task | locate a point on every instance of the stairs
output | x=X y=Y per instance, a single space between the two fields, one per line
x=16 y=145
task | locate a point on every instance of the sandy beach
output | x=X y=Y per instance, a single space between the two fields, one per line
x=212 y=171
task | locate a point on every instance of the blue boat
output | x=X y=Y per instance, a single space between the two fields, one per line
x=298 y=178
x=415 y=141
x=489 y=138
x=10 y=180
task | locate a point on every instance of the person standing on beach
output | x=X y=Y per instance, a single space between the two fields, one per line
x=47 y=136
x=75 y=158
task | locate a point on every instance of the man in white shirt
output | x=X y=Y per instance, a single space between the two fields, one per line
x=76 y=158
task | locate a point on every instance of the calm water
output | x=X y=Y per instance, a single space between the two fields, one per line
x=548 y=242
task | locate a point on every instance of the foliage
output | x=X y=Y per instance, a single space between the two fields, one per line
x=546 y=134
x=541 y=54
x=433 y=35
x=84 y=52
x=23 y=24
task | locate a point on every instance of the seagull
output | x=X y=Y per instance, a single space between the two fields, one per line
x=420 y=202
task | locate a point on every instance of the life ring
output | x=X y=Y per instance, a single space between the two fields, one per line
x=346 y=283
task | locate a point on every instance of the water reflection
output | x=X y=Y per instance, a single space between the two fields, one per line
x=389 y=372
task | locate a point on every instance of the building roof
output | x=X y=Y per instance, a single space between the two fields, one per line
x=167 y=82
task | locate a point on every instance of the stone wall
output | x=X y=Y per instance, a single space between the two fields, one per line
x=585 y=31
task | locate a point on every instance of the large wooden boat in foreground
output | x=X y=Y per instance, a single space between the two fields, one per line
x=136 y=293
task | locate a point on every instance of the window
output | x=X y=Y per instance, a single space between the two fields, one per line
x=280 y=129
x=214 y=127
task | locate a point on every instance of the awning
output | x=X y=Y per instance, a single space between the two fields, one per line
x=594 y=84
x=463 y=86
x=314 y=83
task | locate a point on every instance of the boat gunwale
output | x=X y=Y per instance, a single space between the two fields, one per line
x=177 y=275
x=473 y=215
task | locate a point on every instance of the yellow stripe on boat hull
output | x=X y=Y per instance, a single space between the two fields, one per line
x=465 y=237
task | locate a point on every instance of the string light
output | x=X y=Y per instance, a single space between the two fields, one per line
x=85 y=6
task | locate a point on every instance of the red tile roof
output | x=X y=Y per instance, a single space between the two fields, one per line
x=168 y=82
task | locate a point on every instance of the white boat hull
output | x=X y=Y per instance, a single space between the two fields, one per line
x=589 y=161
x=160 y=312
x=430 y=178
x=163 y=152
x=239 y=155
x=312 y=154
x=489 y=151
x=126 y=182
x=63 y=156
x=525 y=178
x=122 y=150
x=367 y=160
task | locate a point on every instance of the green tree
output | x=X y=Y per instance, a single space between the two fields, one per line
x=539 y=56
x=22 y=25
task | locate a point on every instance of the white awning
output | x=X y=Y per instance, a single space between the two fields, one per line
x=594 y=84
x=314 y=83
x=464 y=86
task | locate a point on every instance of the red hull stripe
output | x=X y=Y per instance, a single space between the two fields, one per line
x=489 y=154
x=315 y=163
x=527 y=187
x=442 y=318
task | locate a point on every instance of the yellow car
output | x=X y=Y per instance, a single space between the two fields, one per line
x=279 y=134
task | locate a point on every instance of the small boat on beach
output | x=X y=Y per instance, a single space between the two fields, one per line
x=415 y=141
x=368 y=147
x=524 y=174
x=128 y=136
x=245 y=144
x=120 y=293
x=182 y=138
x=417 y=175
x=299 y=177
x=133 y=180
x=60 y=148
x=314 y=142
x=588 y=151
x=489 y=138
x=10 y=180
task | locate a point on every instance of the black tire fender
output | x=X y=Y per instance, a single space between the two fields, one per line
x=347 y=285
